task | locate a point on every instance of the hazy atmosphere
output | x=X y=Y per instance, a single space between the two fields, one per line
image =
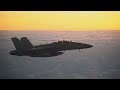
x=59 y=44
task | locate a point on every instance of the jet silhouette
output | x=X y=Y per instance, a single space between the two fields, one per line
x=25 y=48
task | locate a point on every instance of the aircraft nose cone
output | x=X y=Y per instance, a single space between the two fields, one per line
x=90 y=46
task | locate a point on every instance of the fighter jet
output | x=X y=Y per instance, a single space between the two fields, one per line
x=25 y=48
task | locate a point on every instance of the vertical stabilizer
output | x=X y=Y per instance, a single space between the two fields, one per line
x=17 y=43
x=26 y=43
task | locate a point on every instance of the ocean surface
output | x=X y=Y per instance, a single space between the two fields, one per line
x=102 y=61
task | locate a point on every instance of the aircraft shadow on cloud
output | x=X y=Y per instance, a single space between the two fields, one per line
x=25 y=48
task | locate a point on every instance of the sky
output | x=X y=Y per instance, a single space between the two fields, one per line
x=59 y=20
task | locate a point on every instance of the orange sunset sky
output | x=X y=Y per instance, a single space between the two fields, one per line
x=59 y=20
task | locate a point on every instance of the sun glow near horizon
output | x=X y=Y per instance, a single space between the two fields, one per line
x=59 y=20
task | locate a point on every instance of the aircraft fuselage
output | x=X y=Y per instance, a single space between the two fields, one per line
x=50 y=49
